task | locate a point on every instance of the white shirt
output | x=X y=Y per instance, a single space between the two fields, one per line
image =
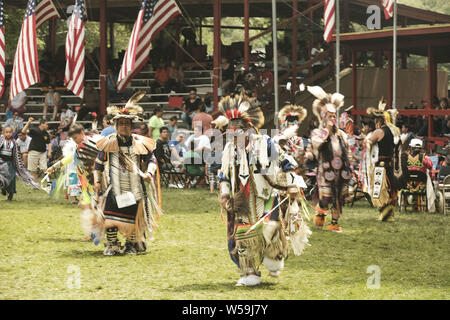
x=66 y=116
x=200 y=142
x=17 y=101
x=315 y=51
x=23 y=145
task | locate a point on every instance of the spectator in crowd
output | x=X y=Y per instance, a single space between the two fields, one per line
x=405 y=134
x=283 y=63
x=40 y=149
x=17 y=104
x=111 y=84
x=202 y=119
x=172 y=126
x=177 y=148
x=163 y=154
x=228 y=76
x=445 y=169
x=65 y=118
x=161 y=78
x=23 y=143
x=108 y=127
x=316 y=66
x=47 y=68
x=265 y=83
x=90 y=101
x=201 y=141
x=155 y=123
x=143 y=130
x=190 y=106
x=176 y=77
x=443 y=120
x=52 y=100
x=16 y=123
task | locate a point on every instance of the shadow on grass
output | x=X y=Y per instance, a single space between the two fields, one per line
x=80 y=254
x=219 y=286
x=69 y=240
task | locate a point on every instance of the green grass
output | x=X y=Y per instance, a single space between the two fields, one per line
x=41 y=238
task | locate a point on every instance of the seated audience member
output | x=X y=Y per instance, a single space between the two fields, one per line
x=66 y=117
x=52 y=100
x=108 y=127
x=90 y=101
x=15 y=123
x=202 y=119
x=177 y=148
x=201 y=141
x=161 y=78
x=190 y=107
x=17 y=104
x=162 y=151
x=445 y=169
x=23 y=143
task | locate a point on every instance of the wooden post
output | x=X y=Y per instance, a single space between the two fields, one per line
x=294 y=48
x=111 y=39
x=51 y=45
x=354 y=79
x=103 y=59
x=390 y=70
x=432 y=77
x=216 y=54
x=246 y=34
x=178 y=53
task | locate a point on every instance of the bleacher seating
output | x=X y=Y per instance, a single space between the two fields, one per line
x=200 y=79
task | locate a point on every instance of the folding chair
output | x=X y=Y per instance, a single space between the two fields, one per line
x=416 y=186
x=446 y=194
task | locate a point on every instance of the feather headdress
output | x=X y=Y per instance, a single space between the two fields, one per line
x=131 y=110
x=242 y=110
x=325 y=102
x=292 y=110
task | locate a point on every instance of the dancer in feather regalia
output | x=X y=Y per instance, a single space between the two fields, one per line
x=330 y=148
x=11 y=164
x=126 y=162
x=247 y=190
x=289 y=176
x=74 y=177
x=388 y=172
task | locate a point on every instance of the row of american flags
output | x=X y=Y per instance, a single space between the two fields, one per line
x=153 y=16
x=330 y=19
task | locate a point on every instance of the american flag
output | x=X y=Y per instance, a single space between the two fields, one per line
x=153 y=16
x=329 y=19
x=388 y=8
x=2 y=49
x=45 y=10
x=25 y=70
x=74 y=76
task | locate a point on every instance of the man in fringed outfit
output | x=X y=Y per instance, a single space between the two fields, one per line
x=388 y=173
x=246 y=189
x=129 y=205
x=289 y=177
x=330 y=148
x=11 y=164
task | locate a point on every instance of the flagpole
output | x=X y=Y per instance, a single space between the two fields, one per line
x=338 y=47
x=394 y=60
x=275 y=60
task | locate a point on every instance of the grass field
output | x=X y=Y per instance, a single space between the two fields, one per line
x=42 y=252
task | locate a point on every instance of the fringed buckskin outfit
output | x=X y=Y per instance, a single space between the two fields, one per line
x=331 y=149
x=129 y=205
x=247 y=192
x=290 y=182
